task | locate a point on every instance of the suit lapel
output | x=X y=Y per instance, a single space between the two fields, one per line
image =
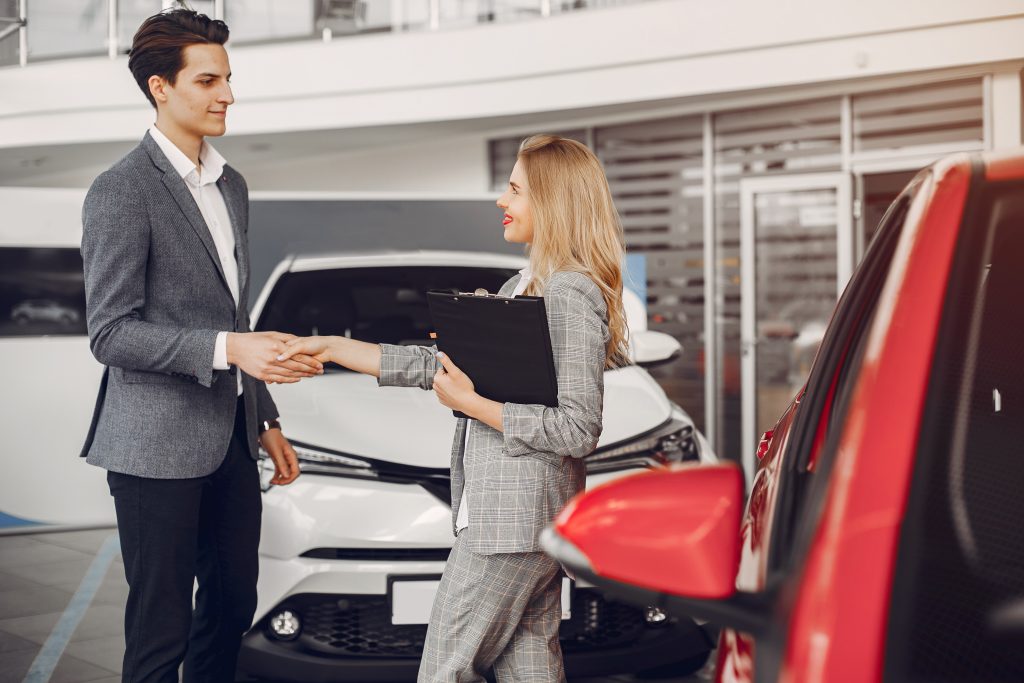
x=175 y=184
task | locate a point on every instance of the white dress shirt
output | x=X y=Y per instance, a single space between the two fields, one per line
x=462 y=521
x=202 y=184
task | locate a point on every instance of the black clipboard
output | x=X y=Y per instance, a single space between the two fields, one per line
x=501 y=343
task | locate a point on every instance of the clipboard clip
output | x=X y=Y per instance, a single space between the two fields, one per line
x=481 y=292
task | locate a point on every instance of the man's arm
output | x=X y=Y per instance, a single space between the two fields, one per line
x=115 y=254
x=266 y=409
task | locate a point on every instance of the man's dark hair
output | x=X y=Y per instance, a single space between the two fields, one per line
x=159 y=44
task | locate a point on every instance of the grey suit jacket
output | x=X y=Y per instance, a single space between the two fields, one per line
x=520 y=479
x=156 y=297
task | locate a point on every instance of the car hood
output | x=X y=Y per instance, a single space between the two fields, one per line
x=348 y=412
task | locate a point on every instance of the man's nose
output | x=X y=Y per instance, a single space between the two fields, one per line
x=226 y=96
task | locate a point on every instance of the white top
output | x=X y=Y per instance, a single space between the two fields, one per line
x=202 y=184
x=462 y=521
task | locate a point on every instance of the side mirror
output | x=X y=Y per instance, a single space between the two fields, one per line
x=668 y=538
x=653 y=348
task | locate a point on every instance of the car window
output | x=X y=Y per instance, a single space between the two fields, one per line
x=957 y=610
x=42 y=292
x=833 y=375
x=377 y=305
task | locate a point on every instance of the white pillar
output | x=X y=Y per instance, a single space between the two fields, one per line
x=1004 y=110
x=710 y=287
x=112 y=36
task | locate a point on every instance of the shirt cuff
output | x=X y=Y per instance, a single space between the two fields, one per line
x=220 y=352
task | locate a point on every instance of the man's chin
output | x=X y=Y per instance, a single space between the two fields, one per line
x=215 y=130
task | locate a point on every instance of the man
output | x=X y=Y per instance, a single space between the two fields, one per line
x=183 y=400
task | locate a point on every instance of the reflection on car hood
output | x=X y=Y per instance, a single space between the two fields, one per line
x=348 y=412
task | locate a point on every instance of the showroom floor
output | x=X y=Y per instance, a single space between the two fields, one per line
x=61 y=605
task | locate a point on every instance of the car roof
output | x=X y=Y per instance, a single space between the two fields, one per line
x=1006 y=164
x=371 y=259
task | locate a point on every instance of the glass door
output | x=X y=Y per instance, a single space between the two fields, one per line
x=796 y=254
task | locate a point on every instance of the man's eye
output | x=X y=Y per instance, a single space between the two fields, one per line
x=206 y=82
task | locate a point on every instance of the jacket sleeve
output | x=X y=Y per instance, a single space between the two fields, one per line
x=576 y=321
x=115 y=253
x=266 y=409
x=408 y=366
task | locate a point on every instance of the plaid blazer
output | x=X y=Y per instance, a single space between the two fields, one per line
x=519 y=479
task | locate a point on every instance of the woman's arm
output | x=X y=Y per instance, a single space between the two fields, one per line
x=392 y=365
x=576 y=321
x=575 y=309
x=354 y=355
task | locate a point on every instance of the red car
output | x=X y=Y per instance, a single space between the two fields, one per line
x=883 y=538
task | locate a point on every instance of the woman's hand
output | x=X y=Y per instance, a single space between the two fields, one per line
x=453 y=388
x=456 y=391
x=355 y=355
x=317 y=347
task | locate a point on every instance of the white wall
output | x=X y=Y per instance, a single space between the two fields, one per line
x=50 y=386
x=450 y=166
x=648 y=51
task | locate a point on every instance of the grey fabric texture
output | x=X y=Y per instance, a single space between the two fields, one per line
x=520 y=479
x=502 y=610
x=156 y=298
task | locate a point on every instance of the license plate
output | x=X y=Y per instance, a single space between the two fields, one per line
x=412 y=599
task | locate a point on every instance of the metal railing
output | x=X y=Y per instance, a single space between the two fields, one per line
x=59 y=29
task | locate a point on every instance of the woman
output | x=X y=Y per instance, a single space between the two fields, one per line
x=515 y=466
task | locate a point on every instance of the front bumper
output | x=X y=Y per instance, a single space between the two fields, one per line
x=350 y=637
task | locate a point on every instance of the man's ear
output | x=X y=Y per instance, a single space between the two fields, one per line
x=157 y=88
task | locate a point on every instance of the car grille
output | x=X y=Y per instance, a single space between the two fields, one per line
x=380 y=554
x=360 y=625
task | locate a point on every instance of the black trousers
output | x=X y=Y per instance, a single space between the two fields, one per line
x=172 y=532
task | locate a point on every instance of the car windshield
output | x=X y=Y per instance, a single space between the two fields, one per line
x=373 y=304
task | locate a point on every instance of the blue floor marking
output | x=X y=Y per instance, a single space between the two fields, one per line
x=48 y=657
x=7 y=520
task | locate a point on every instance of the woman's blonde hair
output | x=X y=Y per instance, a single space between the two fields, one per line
x=575 y=226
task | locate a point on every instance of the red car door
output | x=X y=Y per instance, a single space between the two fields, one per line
x=780 y=487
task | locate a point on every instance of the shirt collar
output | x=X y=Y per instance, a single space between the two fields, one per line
x=525 y=274
x=212 y=162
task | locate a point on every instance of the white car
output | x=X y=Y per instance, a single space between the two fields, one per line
x=352 y=551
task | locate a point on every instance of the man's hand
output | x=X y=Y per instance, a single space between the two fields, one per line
x=286 y=464
x=256 y=354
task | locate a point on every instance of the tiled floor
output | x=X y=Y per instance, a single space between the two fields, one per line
x=39 y=574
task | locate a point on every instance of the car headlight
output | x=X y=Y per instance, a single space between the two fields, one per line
x=314 y=459
x=670 y=442
x=322 y=462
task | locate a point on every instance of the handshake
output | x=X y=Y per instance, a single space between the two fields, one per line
x=257 y=354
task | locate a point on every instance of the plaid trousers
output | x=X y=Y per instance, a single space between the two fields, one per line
x=501 y=610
